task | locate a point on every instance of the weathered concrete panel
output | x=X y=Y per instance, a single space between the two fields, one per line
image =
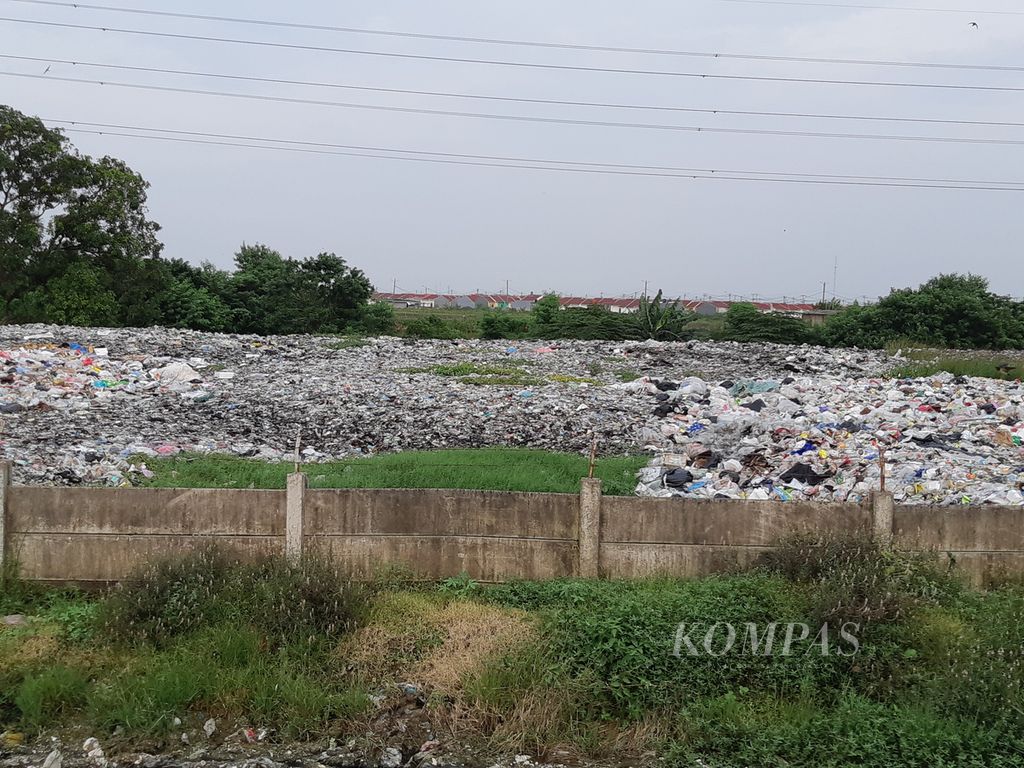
x=722 y=522
x=634 y=561
x=83 y=557
x=984 y=569
x=442 y=512
x=146 y=511
x=438 y=557
x=962 y=529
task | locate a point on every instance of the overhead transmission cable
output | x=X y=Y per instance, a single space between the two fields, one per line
x=191 y=137
x=518 y=64
x=509 y=99
x=517 y=43
x=332 y=145
x=867 y=7
x=520 y=118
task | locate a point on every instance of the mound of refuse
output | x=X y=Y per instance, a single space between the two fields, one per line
x=90 y=406
x=942 y=440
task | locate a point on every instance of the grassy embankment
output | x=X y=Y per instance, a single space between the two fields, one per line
x=492 y=469
x=560 y=669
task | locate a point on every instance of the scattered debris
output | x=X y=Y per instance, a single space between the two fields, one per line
x=944 y=440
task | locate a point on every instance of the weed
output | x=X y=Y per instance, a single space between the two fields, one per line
x=348 y=342
x=174 y=597
x=858 y=580
x=994 y=368
x=560 y=379
x=46 y=695
x=461 y=586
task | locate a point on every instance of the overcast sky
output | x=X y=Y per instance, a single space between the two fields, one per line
x=466 y=228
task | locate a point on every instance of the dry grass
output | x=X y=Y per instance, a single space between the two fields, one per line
x=432 y=641
x=474 y=634
x=20 y=648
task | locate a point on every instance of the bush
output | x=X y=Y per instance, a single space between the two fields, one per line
x=174 y=597
x=956 y=311
x=430 y=327
x=506 y=325
x=856 y=579
x=743 y=322
x=377 y=319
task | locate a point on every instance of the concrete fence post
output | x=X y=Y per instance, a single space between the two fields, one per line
x=589 y=565
x=295 y=512
x=5 y=484
x=882 y=508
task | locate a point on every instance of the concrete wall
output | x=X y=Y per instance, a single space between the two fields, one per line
x=102 y=535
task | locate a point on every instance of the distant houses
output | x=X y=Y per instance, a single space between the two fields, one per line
x=524 y=303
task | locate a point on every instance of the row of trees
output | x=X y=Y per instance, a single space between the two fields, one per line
x=77 y=247
x=953 y=311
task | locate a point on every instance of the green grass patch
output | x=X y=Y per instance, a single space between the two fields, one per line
x=559 y=378
x=488 y=469
x=512 y=368
x=348 y=342
x=992 y=368
x=510 y=380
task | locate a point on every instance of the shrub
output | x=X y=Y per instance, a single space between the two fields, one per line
x=211 y=586
x=430 y=327
x=856 y=579
x=506 y=325
x=376 y=319
x=743 y=322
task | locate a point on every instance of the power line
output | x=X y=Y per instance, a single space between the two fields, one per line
x=519 y=64
x=506 y=158
x=864 y=6
x=518 y=43
x=521 y=118
x=509 y=99
x=573 y=169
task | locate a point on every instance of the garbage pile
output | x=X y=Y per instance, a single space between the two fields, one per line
x=92 y=405
x=942 y=440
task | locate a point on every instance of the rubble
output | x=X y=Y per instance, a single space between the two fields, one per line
x=89 y=406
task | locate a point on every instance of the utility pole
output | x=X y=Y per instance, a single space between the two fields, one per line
x=823 y=284
x=394 y=286
x=835 y=276
x=645 y=290
x=506 y=290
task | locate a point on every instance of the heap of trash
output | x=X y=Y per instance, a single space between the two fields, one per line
x=941 y=440
x=721 y=419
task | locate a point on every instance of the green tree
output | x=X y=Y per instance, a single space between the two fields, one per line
x=947 y=311
x=63 y=213
x=78 y=297
x=545 y=311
